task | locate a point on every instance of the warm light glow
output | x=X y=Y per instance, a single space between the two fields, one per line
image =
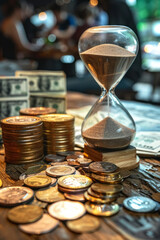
x=42 y=16
x=93 y=3
x=148 y=48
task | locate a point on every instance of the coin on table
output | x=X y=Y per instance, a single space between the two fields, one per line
x=103 y=167
x=44 y=225
x=104 y=210
x=50 y=195
x=66 y=210
x=85 y=224
x=75 y=197
x=84 y=161
x=98 y=200
x=61 y=170
x=74 y=181
x=12 y=196
x=139 y=204
x=54 y=158
x=37 y=181
x=0 y=183
x=25 y=214
x=106 y=188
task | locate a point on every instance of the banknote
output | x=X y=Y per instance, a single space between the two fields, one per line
x=14 y=87
x=44 y=81
x=11 y=106
x=57 y=102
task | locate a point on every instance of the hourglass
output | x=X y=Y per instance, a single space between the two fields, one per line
x=108 y=52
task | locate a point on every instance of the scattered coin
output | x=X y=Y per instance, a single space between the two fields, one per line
x=25 y=214
x=106 y=188
x=66 y=210
x=139 y=204
x=54 y=158
x=75 y=197
x=59 y=163
x=50 y=195
x=156 y=196
x=0 y=183
x=12 y=196
x=74 y=181
x=102 y=167
x=105 y=210
x=85 y=224
x=38 y=181
x=98 y=200
x=70 y=190
x=44 y=225
x=84 y=161
x=61 y=170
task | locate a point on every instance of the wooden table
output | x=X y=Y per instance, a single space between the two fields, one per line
x=142 y=181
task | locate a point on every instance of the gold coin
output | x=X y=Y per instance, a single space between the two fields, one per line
x=75 y=197
x=61 y=170
x=57 y=118
x=100 y=195
x=21 y=121
x=107 y=179
x=0 y=183
x=50 y=195
x=37 y=111
x=69 y=190
x=44 y=225
x=104 y=210
x=25 y=214
x=85 y=224
x=98 y=200
x=12 y=196
x=106 y=188
x=74 y=181
x=37 y=181
x=66 y=210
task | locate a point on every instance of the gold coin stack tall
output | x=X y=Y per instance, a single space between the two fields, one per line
x=58 y=130
x=23 y=139
x=36 y=111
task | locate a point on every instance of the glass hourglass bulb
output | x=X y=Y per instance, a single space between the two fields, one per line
x=108 y=52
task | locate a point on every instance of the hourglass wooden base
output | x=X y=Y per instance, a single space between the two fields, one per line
x=124 y=159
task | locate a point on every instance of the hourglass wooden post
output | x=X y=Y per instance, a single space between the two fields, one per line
x=108 y=129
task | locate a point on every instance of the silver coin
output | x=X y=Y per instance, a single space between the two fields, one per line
x=139 y=204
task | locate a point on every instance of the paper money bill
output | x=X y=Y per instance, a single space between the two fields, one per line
x=10 y=107
x=14 y=87
x=45 y=81
x=57 y=102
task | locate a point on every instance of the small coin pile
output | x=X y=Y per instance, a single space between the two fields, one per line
x=37 y=111
x=23 y=139
x=105 y=172
x=58 y=130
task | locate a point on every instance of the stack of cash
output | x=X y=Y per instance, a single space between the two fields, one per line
x=14 y=95
x=23 y=139
x=58 y=132
x=47 y=89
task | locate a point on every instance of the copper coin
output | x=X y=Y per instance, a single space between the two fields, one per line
x=69 y=190
x=44 y=225
x=104 y=210
x=107 y=179
x=61 y=170
x=57 y=118
x=25 y=214
x=106 y=188
x=54 y=158
x=49 y=195
x=84 y=161
x=37 y=111
x=85 y=224
x=98 y=200
x=102 y=167
x=37 y=181
x=75 y=197
x=21 y=121
x=99 y=195
x=66 y=210
x=74 y=181
x=12 y=196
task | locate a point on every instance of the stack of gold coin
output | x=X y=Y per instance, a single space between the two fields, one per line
x=74 y=183
x=105 y=172
x=23 y=139
x=58 y=130
x=103 y=193
x=36 y=111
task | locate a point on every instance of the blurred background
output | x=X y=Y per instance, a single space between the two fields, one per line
x=44 y=34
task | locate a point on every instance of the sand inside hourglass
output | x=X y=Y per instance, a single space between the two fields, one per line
x=108 y=63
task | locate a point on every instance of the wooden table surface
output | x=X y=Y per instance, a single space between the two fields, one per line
x=142 y=181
